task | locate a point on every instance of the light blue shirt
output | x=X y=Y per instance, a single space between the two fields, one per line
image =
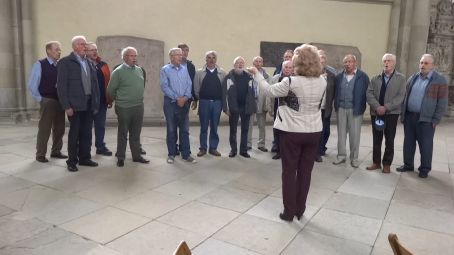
x=35 y=79
x=175 y=82
x=417 y=92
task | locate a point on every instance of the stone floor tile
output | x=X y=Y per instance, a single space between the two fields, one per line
x=217 y=176
x=316 y=197
x=436 y=183
x=359 y=205
x=328 y=179
x=417 y=240
x=74 y=183
x=53 y=242
x=425 y=200
x=255 y=182
x=5 y=210
x=371 y=184
x=151 y=204
x=154 y=238
x=9 y=184
x=105 y=225
x=270 y=207
x=212 y=246
x=232 y=199
x=187 y=189
x=200 y=218
x=257 y=234
x=14 y=227
x=110 y=192
x=345 y=225
x=312 y=243
x=48 y=205
x=415 y=216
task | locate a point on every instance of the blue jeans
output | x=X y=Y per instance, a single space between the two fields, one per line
x=99 y=120
x=177 y=117
x=209 y=114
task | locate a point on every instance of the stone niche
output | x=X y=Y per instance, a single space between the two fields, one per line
x=272 y=52
x=150 y=57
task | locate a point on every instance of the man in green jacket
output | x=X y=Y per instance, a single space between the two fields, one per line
x=126 y=89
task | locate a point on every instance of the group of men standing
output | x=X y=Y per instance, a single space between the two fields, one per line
x=81 y=86
x=420 y=102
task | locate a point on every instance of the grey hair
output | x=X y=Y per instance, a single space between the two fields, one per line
x=50 y=43
x=257 y=57
x=173 y=50
x=124 y=50
x=430 y=56
x=77 y=38
x=92 y=43
x=286 y=62
x=350 y=56
x=393 y=57
x=238 y=58
x=211 y=52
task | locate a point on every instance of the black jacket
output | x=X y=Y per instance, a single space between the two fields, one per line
x=70 y=88
x=230 y=89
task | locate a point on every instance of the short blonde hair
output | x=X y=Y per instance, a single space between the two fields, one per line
x=306 y=61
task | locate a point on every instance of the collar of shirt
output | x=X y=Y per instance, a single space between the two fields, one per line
x=51 y=61
x=81 y=59
x=128 y=66
x=176 y=67
x=428 y=76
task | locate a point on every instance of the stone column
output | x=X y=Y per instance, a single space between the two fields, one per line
x=404 y=34
x=7 y=67
x=394 y=27
x=419 y=34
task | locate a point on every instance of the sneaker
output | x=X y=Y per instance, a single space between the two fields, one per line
x=190 y=159
x=170 y=159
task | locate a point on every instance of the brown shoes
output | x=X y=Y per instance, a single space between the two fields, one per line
x=386 y=169
x=201 y=153
x=215 y=153
x=373 y=167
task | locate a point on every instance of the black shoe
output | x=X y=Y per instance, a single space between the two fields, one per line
x=423 y=174
x=263 y=149
x=72 y=168
x=285 y=217
x=42 y=159
x=142 y=151
x=319 y=159
x=58 y=155
x=249 y=148
x=104 y=152
x=245 y=154
x=277 y=156
x=120 y=162
x=404 y=168
x=88 y=162
x=141 y=160
x=274 y=149
x=232 y=154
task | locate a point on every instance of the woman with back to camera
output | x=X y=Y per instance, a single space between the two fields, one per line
x=299 y=120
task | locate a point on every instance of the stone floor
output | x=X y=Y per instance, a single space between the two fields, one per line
x=219 y=205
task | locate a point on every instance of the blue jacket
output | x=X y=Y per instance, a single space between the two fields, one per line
x=359 y=91
x=435 y=101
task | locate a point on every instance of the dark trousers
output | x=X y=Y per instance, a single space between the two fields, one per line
x=51 y=118
x=423 y=133
x=100 y=127
x=79 y=136
x=233 y=122
x=298 y=151
x=209 y=115
x=177 y=118
x=275 y=131
x=129 y=121
x=325 y=134
x=389 y=133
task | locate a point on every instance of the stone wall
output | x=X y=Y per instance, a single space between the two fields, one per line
x=440 y=42
x=150 y=56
